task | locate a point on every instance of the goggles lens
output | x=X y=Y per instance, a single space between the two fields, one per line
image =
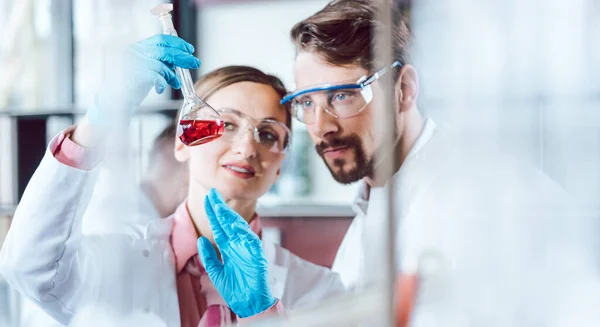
x=270 y=134
x=338 y=102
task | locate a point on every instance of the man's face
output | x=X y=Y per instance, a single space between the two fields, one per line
x=346 y=145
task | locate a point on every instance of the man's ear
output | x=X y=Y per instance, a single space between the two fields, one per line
x=182 y=152
x=407 y=88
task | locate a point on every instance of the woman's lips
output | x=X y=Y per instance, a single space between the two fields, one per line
x=241 y=171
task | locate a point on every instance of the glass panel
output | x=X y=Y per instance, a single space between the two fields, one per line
x=480 y=208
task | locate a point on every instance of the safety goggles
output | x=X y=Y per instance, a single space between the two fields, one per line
x=339 y=100
x=272 y=135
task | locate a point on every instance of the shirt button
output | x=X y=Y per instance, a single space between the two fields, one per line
x=146 y=253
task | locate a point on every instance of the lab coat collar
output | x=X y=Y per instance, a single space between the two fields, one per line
x=426 y=134
x=361 y=200
x=184 y=237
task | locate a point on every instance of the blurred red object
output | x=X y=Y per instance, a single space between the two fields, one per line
x=406 y=294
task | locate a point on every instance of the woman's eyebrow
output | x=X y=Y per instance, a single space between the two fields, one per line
x=230 y=109
x=243 y=114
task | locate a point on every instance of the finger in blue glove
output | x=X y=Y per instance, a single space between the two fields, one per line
x=242 y=276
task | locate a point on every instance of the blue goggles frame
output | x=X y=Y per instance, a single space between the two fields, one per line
x=362 y=83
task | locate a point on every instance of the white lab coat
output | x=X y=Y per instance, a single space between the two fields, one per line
x=47 y=258
x=504 y=241
x=95 y=221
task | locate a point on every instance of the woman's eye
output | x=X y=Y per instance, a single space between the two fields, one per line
x=267 y=137
x=229 y=126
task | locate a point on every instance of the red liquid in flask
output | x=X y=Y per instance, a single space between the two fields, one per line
x=196 y=132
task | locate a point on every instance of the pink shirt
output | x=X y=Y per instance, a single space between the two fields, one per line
x=192 y=303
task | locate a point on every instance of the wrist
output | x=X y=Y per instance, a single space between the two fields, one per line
x=275 y=307
x=87 y=134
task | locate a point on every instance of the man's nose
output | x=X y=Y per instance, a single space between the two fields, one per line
x=325 y=124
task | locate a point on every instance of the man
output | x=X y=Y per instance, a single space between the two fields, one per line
x=495 y=229
x=162 y=189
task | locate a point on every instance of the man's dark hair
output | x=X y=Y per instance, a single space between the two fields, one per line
x=344 y=33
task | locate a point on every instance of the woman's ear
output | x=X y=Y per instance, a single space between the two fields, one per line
x=182 y=152
x=407 y=88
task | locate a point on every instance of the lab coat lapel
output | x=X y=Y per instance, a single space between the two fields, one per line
x=277 y=279
x=277 y=273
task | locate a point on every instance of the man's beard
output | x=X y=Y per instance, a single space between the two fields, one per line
x=363 y=166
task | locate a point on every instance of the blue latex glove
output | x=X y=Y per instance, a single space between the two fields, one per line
x=242 y=279
x=146 y=64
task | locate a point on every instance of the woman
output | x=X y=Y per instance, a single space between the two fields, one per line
x=47 y=259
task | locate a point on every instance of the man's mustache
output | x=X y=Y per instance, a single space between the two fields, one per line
x=348 y=141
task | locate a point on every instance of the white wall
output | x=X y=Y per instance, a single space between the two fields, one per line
x=254 y=33
x=257 y=34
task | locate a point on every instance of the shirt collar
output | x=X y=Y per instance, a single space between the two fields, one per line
x=184 y=237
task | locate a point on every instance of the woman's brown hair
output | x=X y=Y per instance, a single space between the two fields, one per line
x=220 y=78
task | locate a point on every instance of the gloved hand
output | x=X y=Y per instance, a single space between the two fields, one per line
x=146 y=64
x=242 y=279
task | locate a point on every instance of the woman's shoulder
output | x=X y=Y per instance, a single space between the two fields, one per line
x=297 y=267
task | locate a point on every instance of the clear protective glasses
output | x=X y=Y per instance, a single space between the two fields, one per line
x=339 y=100
x=271 y=135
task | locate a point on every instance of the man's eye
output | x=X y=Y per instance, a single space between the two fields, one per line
x=342 y=97
x=307 y=104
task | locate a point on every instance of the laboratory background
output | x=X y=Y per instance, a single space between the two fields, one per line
x=55 y=52
x=526 y=82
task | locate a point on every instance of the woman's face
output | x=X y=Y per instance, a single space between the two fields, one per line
x=241 y=168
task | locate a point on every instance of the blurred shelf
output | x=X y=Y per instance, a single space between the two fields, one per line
x=165 y=107
x=288 y=210
x=7 y=210
x=38 y=112
x=304 y=211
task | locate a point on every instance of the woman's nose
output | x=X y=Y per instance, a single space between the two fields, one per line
x=245 y=144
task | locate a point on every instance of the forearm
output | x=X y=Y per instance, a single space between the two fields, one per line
x=88 y=135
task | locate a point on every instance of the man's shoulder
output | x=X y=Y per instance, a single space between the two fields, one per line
x=459 y=171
